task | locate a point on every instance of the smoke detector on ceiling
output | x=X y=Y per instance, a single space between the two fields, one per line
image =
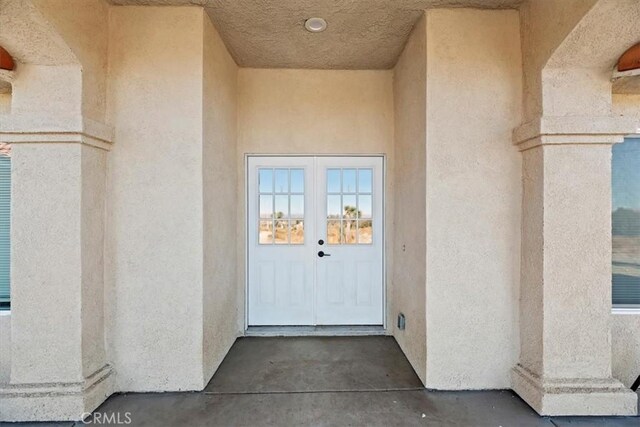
x=315 y=25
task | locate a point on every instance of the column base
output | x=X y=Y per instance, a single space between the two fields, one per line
x=56 y=401
x=565 y=397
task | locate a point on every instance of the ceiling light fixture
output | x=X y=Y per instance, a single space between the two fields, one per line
x=315 y=25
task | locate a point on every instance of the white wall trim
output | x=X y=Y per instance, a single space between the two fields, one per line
x=626 y=310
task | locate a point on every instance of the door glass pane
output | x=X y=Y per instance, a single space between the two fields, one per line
x=365 y=232
x=352 y=203
x=348 y=180
x=333 y=207
x=282 y=180
x=266 y=206
x=364 y=206
x=282 y=232
x=297 y=232
x=365 y=180
x=349 y=206
x=286 y=203
x=625 y=221
x=266 y=232
x=333 y=181
x=349 y=232
x=334 y=232
x=282 y=207
x=265 y=180
x=297 y=180
x=297 y=207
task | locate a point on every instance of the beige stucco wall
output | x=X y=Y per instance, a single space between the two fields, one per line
x=313 y=112
x=60 y=85
x=46 y=68
x=545 y=24
x=625 y=346
x=5 y=347
x=155 y=236
x=410 y=245
x=172 y=247
x=92 y=229
x=60 y=48
x=220 y=112
x=473 y=197
x=5 y=103
x=627 y=105
x=83 y=24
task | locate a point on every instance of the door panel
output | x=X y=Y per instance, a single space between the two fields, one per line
x=280 y=247
x=298 y=207
x=350 y=221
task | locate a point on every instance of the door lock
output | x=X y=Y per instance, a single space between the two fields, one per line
x=322 y=254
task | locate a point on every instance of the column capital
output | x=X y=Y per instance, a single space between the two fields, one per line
x=574 y=130
x=67 y=129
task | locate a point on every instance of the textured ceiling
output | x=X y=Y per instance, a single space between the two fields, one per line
x=361 y=34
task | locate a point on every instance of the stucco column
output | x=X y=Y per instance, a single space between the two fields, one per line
x=59 y=368
x=565 y=300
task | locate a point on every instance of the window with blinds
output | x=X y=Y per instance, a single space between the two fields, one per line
x=5 y=205
x=625 y=221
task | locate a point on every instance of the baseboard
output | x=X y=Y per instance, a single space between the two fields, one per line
x=574 y=397
x=56 y=401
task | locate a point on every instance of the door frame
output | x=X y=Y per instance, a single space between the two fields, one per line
x=247 y=156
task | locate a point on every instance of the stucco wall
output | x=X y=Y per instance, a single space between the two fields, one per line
x=410 y=245
x=60 y=85
x=5 y=347
x=626 y=105
x=625 y=346
x=5 y=103
x=155 y=236
x=220 y=111
x=545 y=24
x=92 y=228
x=473 y=197
x=36 y=253
x=83 y=24
x=46 y=67
x=314 y=112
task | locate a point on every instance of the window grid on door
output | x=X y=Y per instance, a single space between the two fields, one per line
x=349 y=206
x=281 y=206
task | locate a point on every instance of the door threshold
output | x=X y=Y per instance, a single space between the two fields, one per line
x=313 y=331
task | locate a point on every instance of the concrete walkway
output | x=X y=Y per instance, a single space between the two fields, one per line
x=338 y=381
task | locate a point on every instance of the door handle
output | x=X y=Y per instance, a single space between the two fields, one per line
x=322 y=254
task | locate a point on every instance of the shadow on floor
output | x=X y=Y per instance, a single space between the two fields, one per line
x=337 y=381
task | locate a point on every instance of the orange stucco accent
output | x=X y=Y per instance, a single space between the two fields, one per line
x=630 y=60
x=6 y=61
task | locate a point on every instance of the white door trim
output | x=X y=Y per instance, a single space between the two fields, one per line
x=247 y=156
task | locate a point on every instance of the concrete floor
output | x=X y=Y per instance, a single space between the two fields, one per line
x=336 y=381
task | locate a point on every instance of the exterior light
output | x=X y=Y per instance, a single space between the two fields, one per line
x=315 y=25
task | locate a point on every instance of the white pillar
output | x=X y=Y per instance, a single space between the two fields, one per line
x=59 y=368
x=565 y=299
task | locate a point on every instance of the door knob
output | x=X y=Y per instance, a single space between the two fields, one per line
x=321 y=254
x=321 y=242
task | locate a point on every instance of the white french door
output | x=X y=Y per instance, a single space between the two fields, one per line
x=315 y=241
